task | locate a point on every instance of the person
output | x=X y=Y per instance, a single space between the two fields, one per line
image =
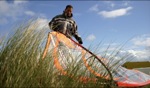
x=65 y=24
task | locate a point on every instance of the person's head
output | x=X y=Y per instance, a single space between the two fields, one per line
x=68 y=11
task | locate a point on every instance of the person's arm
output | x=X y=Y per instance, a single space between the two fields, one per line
x=53 y=24
x=76 y=35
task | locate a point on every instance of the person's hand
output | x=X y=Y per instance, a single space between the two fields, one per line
x=56 y=29
x=80 y=40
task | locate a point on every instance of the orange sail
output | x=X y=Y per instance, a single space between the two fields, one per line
x=64 y=47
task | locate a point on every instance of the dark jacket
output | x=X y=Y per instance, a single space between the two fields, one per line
x=65 y=25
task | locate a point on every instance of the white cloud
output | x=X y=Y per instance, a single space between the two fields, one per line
x=10 y=11
x=143 y=40
x=30 y=13
x=139 y=54
x=94 y=8
x=43 y=23
x=40 y=23
x=91 y=37
x=115 y=13
x=131 y=55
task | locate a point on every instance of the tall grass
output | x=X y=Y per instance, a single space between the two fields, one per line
x=21 y=63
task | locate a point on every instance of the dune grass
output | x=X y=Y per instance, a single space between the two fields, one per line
x=21 y=63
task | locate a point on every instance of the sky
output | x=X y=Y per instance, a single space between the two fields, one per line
x=110 y=22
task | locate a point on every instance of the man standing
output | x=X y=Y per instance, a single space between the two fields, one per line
x=64 y=23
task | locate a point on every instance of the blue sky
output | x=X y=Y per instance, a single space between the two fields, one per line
x=112 y=22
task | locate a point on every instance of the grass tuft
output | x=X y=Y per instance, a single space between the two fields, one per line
x=21 y=63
